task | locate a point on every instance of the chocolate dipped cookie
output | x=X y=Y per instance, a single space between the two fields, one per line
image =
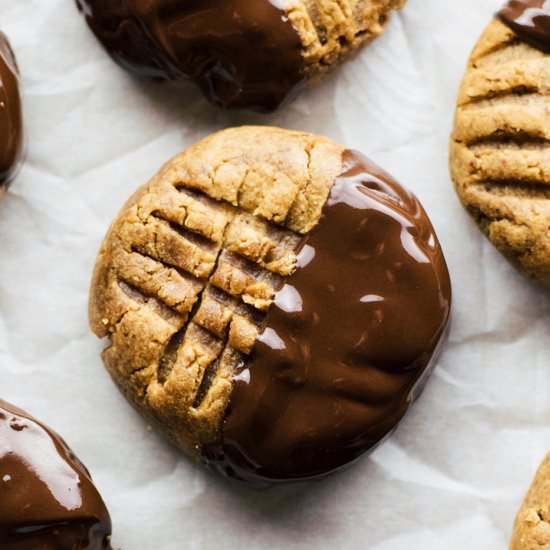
x=499 y=147
x=47 y=498
x=273 y=303
x=11 y=119
x=532 y=525
x=241 y=53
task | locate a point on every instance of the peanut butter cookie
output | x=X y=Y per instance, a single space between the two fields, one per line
x=532 y=526
x=242 y=53
x=273 y=302
x=499 y=153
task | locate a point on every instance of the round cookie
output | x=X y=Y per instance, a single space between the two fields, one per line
x=499 y=148
x=273 y=301
x=532 y=525
x=11 y=120
x=242 y=53
x=48 y=498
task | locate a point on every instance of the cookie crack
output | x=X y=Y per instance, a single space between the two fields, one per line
x=513 y=40
x=164 y=310
x=512 y=91
x=514 y=188
x=505 y=138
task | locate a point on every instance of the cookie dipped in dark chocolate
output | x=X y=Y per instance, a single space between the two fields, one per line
x=241 y=53
x=348 y=342
x=11 y=119
x=47 y=498
x=530 y=20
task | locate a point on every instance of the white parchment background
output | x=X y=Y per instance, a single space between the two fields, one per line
x=452 y=476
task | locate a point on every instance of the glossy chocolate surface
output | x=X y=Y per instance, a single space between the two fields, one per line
x=11 y=120
x=530 y=20
x=241 y=53
x=47 y=498
x=349 y=341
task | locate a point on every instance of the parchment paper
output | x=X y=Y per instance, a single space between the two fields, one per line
x=451 y=477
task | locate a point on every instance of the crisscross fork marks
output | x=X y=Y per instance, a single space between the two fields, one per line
x=223 y=287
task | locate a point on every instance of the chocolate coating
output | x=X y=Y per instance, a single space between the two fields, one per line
x=351 y=336
x=241 y=53
x=11 y=119
x=47 y=498
x=530 y=20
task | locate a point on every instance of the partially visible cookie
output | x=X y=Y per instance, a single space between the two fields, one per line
x=274 y=303
x=242 y=53
x=47 y=498
x=500 y=146
x=11 y=123
x=532 y=526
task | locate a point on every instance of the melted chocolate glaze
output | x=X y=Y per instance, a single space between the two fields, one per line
x=241 y=53
x=11 y=120
x=349 y=341
x=47 y=498
x=530 y=20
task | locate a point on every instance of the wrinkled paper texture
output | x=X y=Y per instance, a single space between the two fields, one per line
x=453 y=474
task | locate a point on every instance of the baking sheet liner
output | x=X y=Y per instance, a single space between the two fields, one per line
x=454 y=473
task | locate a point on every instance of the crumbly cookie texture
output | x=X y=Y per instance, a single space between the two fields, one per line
x=500 y=154
x=188 y=269
x=532 y=526
x=330 y=30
